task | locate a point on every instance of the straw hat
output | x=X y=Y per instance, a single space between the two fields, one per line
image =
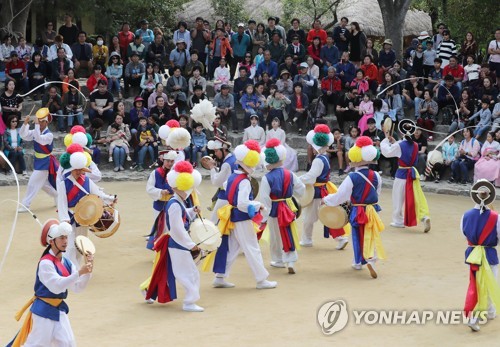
x=44 y=114
x=387 y=42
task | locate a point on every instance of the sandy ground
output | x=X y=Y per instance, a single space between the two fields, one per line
x=423 y=271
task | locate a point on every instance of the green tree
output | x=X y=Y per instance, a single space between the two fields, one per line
x=310 y=10
x=231 y=11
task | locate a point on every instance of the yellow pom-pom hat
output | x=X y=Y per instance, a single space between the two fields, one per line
x=248 y=155
x=182 y=176
x=363 y=151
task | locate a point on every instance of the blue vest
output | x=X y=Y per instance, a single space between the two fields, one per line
x=161 y=183
x=407 y=149
x=69 y=186
x=275 y=178
x=187 y=223
x=325 y=174
x=231 y=160
x=473 y=224
x=42 y=163
x=41 y=308
x=359 y=185
x=236 y=215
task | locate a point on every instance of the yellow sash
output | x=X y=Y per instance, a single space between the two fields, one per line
x=41 y=155
x=22 y=336
x=421 y=207
x=293 y=226
x=372 y=240
x=486 y=283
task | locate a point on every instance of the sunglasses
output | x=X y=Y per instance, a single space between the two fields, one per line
x=14 y=121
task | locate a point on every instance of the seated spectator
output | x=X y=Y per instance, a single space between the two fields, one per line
x=70 y=76
x=447 y=96
x=160 y=109
x=285 y=84
x=471 y=77
x=312 y=68
x=95 y=78
x=299 y=104
x=316 y=31
x=136 y=113
x=197 y=80
x=16 y=70
x=347 y=109
x=156 y=51
x=125 y=38
x=488 y=166
x=148 y=82
x=5 y=49
x=251 y=105
x=73 y=103
x=330 y=54
x=194 y=63
x=365 y=111
x=397 y=71
x=11 y=102
x=53 y=50
x=277 y=103
x=137 y=47
x=467 y=156
x=114 y=74
x=60 y=65
x=222 y=75
x=449 y=151
x=412 y=93
x=428 y=112
x=386 y=59
x=346 y=70
x=53 y=101
x=116 y=138
x=133 y=72
x=421 y=140
x=13 y=145
x=371 y=72
x=179 y=56
x=290 y=66
x=378 y=114
x=199 y=142
x=249 y=65
x=495 y=116
x=224 y=105
x=360 y=83
x=276 y=48
x=100 y=53
x=456 y=70
x=331 y=86
x=254 y=131
x=435 y=76
x=350 y=141
x=466 y=109
x=268 y=66
x=174 y=108
x=157 y=92
x=40 y=47
x=314 y=51
x=23 y=50
x=240 y=83
x=429 y=58
x=371 y=51
x=37 y=72
x=119 y=154
x=489 y=91
x=177 y=87
x=196 y=97
x=148 y=143
x=101 y=103
x=337 y=149
x=388 y=82
x=484 y=116
x=296 y=50
x=82 y=54
x=306 y=81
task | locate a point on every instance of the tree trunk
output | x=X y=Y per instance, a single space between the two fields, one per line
x=393 y=15
x=17 y=25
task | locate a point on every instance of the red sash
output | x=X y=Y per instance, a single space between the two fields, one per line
x=60 y=266
x=361 y=216
x=410 y=213
x=75 y=189
x=44 y=149
x=160 y=285
x=471 y=297
x=231 y=195
x=285 y=215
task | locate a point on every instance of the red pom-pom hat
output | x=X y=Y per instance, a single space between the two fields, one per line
x=364 y=141
x=273 y=143
x=77 y=129
x=253 y=145
x=322 y=128
x=183 y=166
x=73 y=148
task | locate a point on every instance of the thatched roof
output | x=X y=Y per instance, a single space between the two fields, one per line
x=365 y=12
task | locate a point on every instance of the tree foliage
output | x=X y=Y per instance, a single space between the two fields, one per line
x=231 y=11
x=310 y=10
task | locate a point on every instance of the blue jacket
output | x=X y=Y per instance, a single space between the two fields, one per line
x=8 y=141
x=240 y=48
x=349 y=71
x=199 y=140
x=271 y=69
x=331 y=55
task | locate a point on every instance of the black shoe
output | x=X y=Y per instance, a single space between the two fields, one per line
x=451 y=180
x=300 y=131
x=463 y=182
x=133 y=166
x=341 y=172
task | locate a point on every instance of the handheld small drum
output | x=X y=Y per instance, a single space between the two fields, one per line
x=333 y=217
x=205 y=234
x=84 y=245
x=108 y=224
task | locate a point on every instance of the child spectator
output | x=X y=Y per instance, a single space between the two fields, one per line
x=488 y=166
x=147 y=141
x=196 y=97
x=199 y=141
x=13 y=145
x=116 y=138
x=251 y=105
x=428 y=112
x=95 y=133
x=73 y=103
x=337 y=149
x=350 y=141
x=484 y=115
x=277 y=102
x=114 y=74
x=435 y=76
x=174 y=108
x=449 y=151
x=254 y=131
x=221 y=75
x=365 y=111
x=429 y=58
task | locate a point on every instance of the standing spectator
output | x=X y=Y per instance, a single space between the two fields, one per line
x=438 y=38
x=316 y=31
x=133 y=72
x=37 y=72
x=347 y=109
x=95 y=78
x=299 y=103
x=371 y=51
x=82 y=54
x=101 y=103
x=471 y=76
x=177 y=87
x=49 y=34
x=69 y=31
x=413 y=92
x=494 y=52
x=469 y=47
x=138 y=47
x=331 y=86
x=467 y=156
x=488 y=166
x=429 y=56
x=53 y=50
x=272 y=27
x=447 y=48
x=73 y=103
x=224 y=105
x=13 y=145
x=179 y=56
x=371 y=72
x=296 y=30
x=456 y=70
x=200 y=37
x=125 y=37
x=100 y=53
x=387 y=57
x=484 y=115
x=114 y=74
x=182 y=33
x=252 y=24
x=53 y=101
x=23 y=50
x=428 y=112
x=16 y=70
x=60 y=66
x=145 y=33
x=240 y=42
x=11 y=102
x=222 y=75
x=276 y=48
x=199 y=142
x=345 y=69
x=357 y=42
x=219 y=48
x=268 y=66
x=260 y=39
x=341 y=35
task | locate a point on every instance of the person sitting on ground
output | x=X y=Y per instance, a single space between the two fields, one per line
x=428 y=113
x=467 y=156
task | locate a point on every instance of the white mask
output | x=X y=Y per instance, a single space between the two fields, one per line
x=100 y=42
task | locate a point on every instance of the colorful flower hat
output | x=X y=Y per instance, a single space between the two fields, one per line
x=248 y=155
x=320 y=137
x=274 y=153
x=363 y=151
x=174 y=136
x=182 y=176
x=75 y=158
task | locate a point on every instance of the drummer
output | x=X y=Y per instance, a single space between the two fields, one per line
x=319 y=175
x=276 y=190
x=72 y=189
x=222 y=152
x=47 y=323
x=174 y=260
x=362 y=188
x=237 y=221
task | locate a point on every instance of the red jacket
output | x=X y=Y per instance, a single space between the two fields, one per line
x=331 y=84
x=313 y=33
x=371 y=71
x=92 y=82
x=315 y=54
x=456 y=72
x=225 y=46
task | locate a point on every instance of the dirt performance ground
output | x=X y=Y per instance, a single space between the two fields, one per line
x=422 y=272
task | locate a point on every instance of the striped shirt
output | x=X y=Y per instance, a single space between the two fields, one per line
x=446 y=50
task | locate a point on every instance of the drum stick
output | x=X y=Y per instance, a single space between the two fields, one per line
x=202 y=222
x=31 y=112
x=83 y=248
